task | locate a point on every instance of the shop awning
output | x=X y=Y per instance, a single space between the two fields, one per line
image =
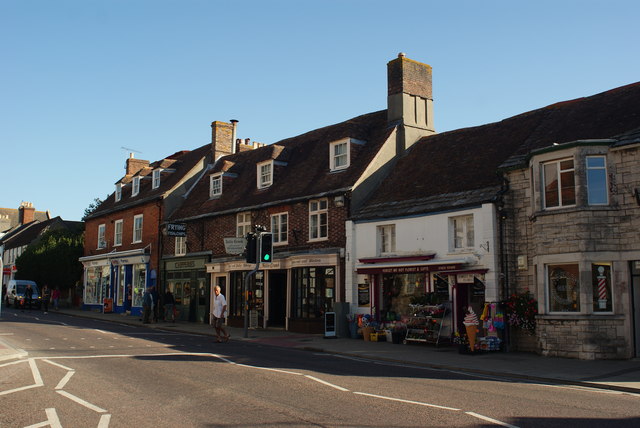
x=117 y=258
x=413 y=267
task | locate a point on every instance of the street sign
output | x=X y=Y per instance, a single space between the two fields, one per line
x=234 y=245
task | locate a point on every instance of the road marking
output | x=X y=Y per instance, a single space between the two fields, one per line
x=22 y=388
x=65 y=379
x=35 y=372
x=6 y=334
x=407 y=401
x=52 y=416
x=339 y=388
x=58 y=365
x=82 y=402
x=104 y=421
x=485 y=418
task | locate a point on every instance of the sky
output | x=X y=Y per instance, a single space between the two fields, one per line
x=83 y=83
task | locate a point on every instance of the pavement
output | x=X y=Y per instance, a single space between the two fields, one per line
x=616 y=375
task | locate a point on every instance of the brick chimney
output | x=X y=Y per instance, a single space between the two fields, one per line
x=410 y=99
x=222 y=137
x=26 y=212
x=135 y=165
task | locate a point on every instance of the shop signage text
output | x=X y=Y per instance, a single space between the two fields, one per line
x=177 y=229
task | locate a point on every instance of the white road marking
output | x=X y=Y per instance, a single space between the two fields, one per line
x=82 y=402
x=407 y=401
x=35 y=372
x=494 y=421
x=104 y=421
x=22 y=388
x=65 y=379
x=58 y=365
x=6 y=334
x=339 y=388
x=52 y=416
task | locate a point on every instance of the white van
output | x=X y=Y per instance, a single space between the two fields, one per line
x=15 y=293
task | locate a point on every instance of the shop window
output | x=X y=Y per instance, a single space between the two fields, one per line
x=135 y=186
x=181 y=245
x=137 y=228
x=398 y=292
x=156 y=178
x=279 y=227
x=243 y=224
x=96 y=284
x=265 y=174
x=597 y=180
x=602 y=292
x=558 y=183
x=117 y=233
x=318 y=216
x=313 y=291
x=386 y=239
x=215 y=185
x=102 y=243
x=461 y=232
x=564 y=288
x=139 y=283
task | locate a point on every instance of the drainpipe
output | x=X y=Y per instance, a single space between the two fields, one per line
x=504 y=266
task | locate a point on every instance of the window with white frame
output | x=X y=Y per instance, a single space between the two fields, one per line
x=118 y=192
x=215 y=185
x=265 y=174
x=318 y=218
x=339 y=155
x=243 y=224
x=279 y=227
x=558 y=183
x=135 y=186
x=461 y=232
x=563 y=287
x=137 y=228
x=386 y=239
x=102 y=242
x=156 y=178
x=181 y=245
x=117 y=232
x=597 y=180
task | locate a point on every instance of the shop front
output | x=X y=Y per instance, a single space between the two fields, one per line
x=115 y=282
x=292 y=293
x=187 y=279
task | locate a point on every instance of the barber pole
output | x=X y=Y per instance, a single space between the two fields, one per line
x=602 y=288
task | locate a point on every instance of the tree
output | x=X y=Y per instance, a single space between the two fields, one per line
x=92 y=207
x=53 y=259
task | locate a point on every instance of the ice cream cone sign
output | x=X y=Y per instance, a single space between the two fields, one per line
x=471 y=324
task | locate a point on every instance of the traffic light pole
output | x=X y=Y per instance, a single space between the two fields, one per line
x=246 y=298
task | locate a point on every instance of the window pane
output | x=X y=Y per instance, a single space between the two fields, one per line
x=568 y=188
x=550 y=185
x=596 y=180
x=564 y=288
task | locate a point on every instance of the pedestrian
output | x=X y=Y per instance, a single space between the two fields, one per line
x=147 y=301
x=219 y=314
x=28 y=296
x=46 y=296
x=169 y=306
x=155 y=306
x=55 y=296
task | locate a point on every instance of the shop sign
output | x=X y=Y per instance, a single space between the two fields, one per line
x=94 y=263
x=465 y=278
x=326 y=260
x=235 y=245
x=130 y=260
x=185 y=264
x=363 y=294
x=177 y=229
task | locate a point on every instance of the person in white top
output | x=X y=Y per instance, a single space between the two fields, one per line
x=219 y=313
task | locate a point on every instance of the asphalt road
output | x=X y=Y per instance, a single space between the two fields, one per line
x=85 y=373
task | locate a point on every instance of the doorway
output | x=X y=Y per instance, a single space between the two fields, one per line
x=277 y=298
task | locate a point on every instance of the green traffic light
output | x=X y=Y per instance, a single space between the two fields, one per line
x=266 y=257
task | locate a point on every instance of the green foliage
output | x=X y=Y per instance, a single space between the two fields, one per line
x=53 y=259
x=92 y=207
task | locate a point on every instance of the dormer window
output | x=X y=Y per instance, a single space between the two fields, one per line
x=215 y=185
x=135 y=186
x=265 y=174
x=339 y=155
x=156 y=178
x=118 y=192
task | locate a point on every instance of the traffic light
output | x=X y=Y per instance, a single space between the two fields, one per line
x=266 y=247
x=251 y=249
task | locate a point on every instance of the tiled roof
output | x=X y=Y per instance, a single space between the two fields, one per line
x=29 y=232
x=9 y=217
x=180 y=163
x=461 y=166
x=301 y=168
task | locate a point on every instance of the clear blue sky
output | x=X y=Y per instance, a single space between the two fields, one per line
x=82 y=78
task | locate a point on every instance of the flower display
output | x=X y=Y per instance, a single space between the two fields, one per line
x=522 y=309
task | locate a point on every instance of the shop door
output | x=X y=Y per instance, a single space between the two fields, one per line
x=277 y=298
x=120 y=298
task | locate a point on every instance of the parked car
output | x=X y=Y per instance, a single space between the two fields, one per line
x=15 y=293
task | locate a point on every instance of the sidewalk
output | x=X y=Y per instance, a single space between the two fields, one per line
x=619 y=375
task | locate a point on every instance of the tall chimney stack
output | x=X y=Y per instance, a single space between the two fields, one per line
x=26 y=213
x=134 y=165
x=410 y=99
x=221 y=139
x=234 y=135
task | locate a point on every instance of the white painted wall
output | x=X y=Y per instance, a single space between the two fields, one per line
x=425 y=234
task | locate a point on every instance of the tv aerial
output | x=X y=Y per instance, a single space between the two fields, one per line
x=131 y=151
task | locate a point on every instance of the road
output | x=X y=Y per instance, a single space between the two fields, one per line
x=83 y=373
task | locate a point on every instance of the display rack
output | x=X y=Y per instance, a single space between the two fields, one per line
x=429 y=324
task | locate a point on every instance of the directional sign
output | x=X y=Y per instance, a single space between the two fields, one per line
x=234 y=245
